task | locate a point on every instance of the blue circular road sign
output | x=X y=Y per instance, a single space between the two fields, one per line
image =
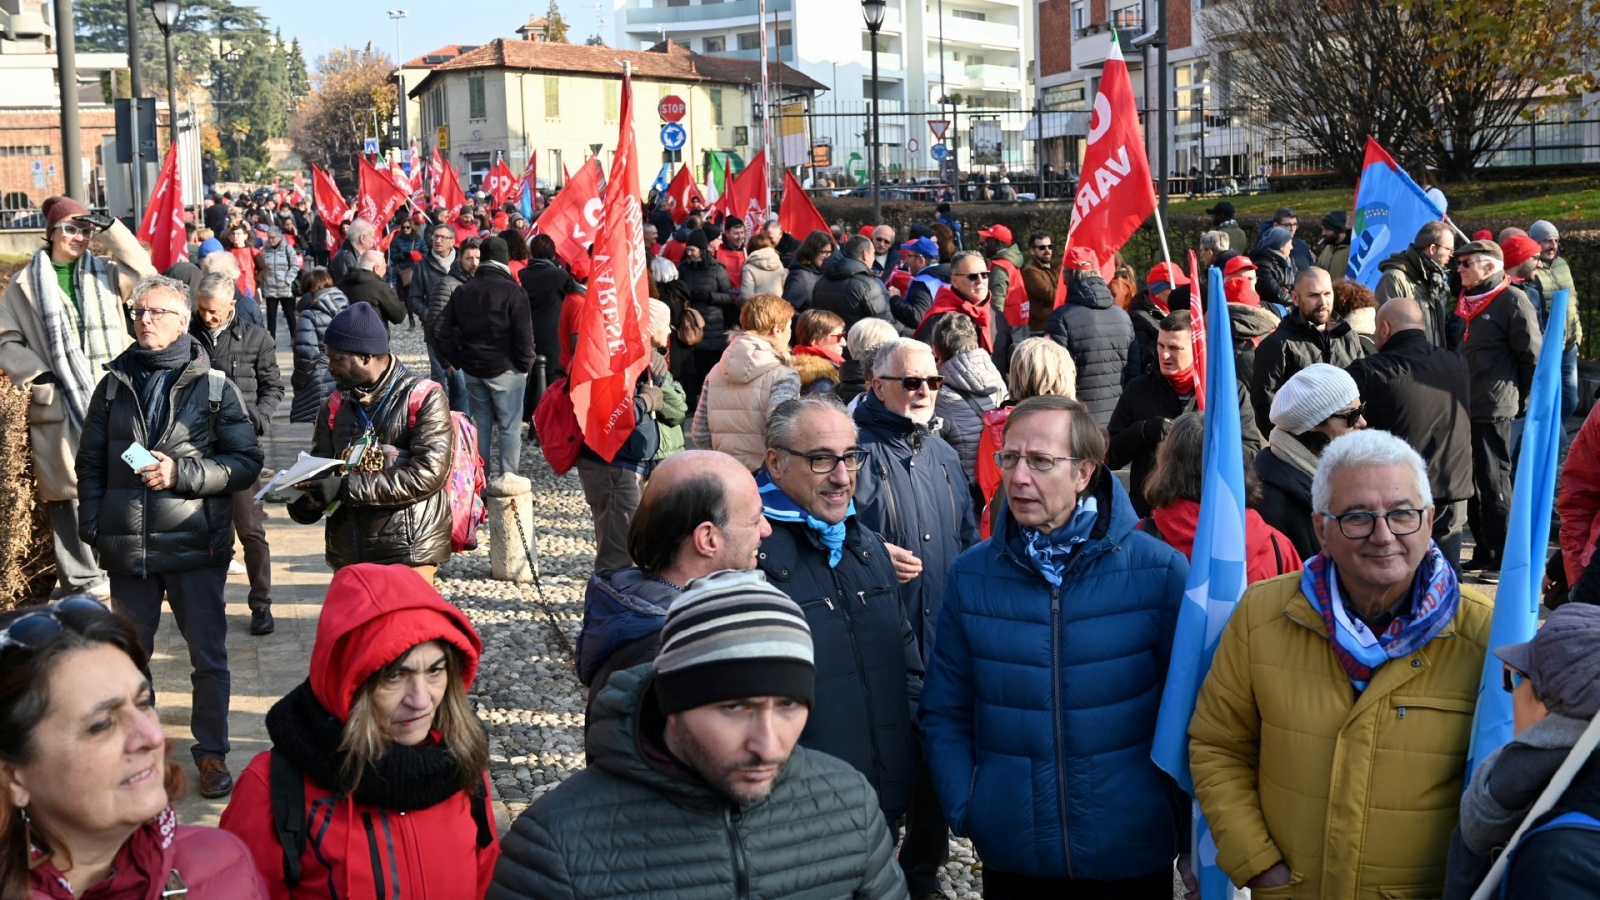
x=674 y=136
x=940 y=152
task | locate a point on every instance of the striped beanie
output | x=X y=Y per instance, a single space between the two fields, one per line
x=732 y=635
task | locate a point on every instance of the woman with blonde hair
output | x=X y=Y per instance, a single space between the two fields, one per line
x=752 y=378
x=1039 y=367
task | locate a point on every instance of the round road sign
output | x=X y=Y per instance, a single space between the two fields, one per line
x=912 y=146
x=673 y=136
x=940 y=152
x=672 y=108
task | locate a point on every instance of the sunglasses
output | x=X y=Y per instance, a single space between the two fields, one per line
x=1044 y=246
x=1352 y=416
x=1511 y=679
x=912 y=382
x=977 y=276
x=31 y=630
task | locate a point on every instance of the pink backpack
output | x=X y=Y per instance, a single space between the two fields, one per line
x=464 y=490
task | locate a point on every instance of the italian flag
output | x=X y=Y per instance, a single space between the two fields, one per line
x=716 y=178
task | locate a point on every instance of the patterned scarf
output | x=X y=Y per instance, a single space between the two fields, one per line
x=1468 y=306
x=77 y=349
x=777 y=506
x=1050 y=552
x=1435 y=595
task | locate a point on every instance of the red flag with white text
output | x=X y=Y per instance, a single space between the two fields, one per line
x=681 y=194
x=378 y=196
x=500 y=184
x=162 y=227
x=573 y=217
x=1115 y=194
x=331 y=207
x=1197 y=318
x=797 y=214
x=449 y=193
x=612 y=345
x=747 y=196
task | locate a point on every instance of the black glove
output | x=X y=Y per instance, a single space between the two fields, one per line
x=651 y=395
x=100 y=221
x=1155 y=429
x=325 y=491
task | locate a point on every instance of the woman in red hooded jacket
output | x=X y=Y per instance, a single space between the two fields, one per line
x=391 y=762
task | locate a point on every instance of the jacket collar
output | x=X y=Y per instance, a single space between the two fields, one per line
x=1116 y=520
x=871 y=413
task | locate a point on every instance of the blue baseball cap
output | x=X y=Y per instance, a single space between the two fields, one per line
x=922 y=247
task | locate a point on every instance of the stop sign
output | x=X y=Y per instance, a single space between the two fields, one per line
x=672 y=108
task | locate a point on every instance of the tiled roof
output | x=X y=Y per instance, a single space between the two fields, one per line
x=664 y=62
x=431 y=59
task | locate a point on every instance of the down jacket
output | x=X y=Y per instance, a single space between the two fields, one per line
x=914 y=494
x=401 y=514
x=1099 y=336
x=1040 y=707
x=1356 y=794
x=972 y=386
x=311 y=382
x=1294 y=345
x=799 y=285
x=1578 y=501
x=711 y=294
x=623 y=612
x=636 y=824
x=763 y=274
x=849 y=290
x=245 y=353
x=739 y=392
x=869 y=676
x=189 y=526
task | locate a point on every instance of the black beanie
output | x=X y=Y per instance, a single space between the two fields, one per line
x=712 y=231
x=697 y=238
x=494 y=249
x=358 y=329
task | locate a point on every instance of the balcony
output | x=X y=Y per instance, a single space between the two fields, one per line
x=985 y=34
x=646 y=18
x=888 y=63
x=1093 y=45
x=998 y=77
x=755 y=55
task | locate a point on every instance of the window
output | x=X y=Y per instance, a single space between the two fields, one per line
x=716 y=106
x=974 y=59
x=477 y=103
x=785 y=37
x=677 y=2
x=969 y=14
x=1080 y=16
x=433 y=108
x=555 y=170
x=552 y=97
x=885 y=45
x=750 y=40
x=613 y=100
x=716 y=44
x=1128 y=17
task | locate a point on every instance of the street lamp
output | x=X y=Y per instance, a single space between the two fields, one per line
x=872 y=11
x=166 y=13
x=399 y=78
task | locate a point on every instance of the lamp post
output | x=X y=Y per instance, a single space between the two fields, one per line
x=399 y=79
x=166 y=13
x=872 y=11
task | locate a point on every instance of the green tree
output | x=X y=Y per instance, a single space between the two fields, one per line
x=558 y=25
x=299 y=75
x=350 y=91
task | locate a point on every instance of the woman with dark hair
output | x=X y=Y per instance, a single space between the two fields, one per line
x=1173 y=490
x=819 y=341
x=807 y=268
x=379 y=751
x=88 y=787
x=311 y=382
x=518 y=251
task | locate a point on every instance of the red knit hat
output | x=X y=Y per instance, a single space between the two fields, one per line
x=1167 y=272
x=58 y=209
x=1519 y=248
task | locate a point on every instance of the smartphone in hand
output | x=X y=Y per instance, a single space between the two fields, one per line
x=138 y=457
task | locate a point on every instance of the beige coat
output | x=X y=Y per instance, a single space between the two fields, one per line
x=23 y=356
x=739 y=393
x=763 y=274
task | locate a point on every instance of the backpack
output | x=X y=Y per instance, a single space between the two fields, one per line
x=556 y=424
x=464 y=490
x=287 y=788
x=216 y=382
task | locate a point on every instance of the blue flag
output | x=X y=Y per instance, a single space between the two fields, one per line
x=1516 y=604
x=663 y=178
x=525 y=201
x=1217 y=578
x=1390 y=210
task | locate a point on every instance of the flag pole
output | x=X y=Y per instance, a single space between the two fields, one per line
x=1161 y=232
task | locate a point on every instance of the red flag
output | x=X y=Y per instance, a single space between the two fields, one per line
x=797 y=214
x=1197 y=317
x=500 y=184
x=448 y=191
x=435 y=175
x=378 y=196
x=680 y=194
x=162 y=227
x=747 y=195
x=613 y=348
x=1115 y=194
x=331 y=207
x=299 y=188
x=573 y=218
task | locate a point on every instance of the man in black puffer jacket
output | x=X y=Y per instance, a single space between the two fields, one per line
x=166 y=528
x=398 y=514
x=366 y=284
x=1098 y=334
x=848 y=288
x=1307 y=335
x=711 y=294
x=245 y=353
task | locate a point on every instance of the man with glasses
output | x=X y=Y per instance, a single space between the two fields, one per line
x=1046 y=676
x=885 y=260
x=62 y=319
x=1329 y=740
x=968 y=295
x=1499 y=336
x=163 y=523
x=1042 y=280
x=839 y=572
x=1421 y=272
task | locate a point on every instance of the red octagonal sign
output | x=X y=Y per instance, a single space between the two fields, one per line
x=672 y=108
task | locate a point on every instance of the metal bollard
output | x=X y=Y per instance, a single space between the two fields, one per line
x=513 y=549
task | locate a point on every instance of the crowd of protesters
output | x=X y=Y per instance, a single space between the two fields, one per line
x=867 y=574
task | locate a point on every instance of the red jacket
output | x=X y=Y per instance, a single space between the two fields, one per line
x=1578 y=501
x=213 y=864
x=1271 y=553
x=567 y=329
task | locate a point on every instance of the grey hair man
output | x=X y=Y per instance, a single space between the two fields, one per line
x=1216 y=248
x=359 y=237
x=368 y=283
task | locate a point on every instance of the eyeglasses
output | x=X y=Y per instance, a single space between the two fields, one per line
x=31 y=630
x=1351 y=416
x=156 y=315
x=72 y=229
x=1511 y=679
x=1358 y=525
x=836 y=336
x=1039 y=462
x=977 y=276
x=825 y=463
x=910 y=383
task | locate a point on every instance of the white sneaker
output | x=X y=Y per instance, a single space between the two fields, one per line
x=236 y=568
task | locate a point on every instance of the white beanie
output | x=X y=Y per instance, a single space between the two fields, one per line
x=660 y=317
x=1311 y=396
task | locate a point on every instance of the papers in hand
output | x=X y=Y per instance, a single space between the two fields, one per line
x=305 y=468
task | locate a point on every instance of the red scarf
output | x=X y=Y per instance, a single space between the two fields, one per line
x=142 y=861
x=833 y=356
x=1470 y=305
x=1183 y=382
x=948 y=300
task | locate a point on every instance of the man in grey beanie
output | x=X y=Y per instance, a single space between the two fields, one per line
x=696 y=784
x=1556 y=275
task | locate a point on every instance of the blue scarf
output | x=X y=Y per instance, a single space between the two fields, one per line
x=1049 y=552
x=1435 y=596
x=777 y=506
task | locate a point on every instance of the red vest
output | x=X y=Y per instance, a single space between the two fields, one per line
x=1016 y=299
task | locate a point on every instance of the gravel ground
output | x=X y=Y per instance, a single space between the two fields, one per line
x=527 y=689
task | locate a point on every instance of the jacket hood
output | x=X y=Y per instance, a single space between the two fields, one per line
x=1179 y=519
x=1091 y=292
x=973 y=371
x=748 y=358
x=620 y=606
x=1363 y=321
x=372 y=616
x=1012 y=255
x=813 y=368
x=1251 y=321
x=871 y=413
x=839 y=267
x=765 y=259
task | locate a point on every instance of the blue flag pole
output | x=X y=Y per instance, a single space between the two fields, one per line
x=1516 y=607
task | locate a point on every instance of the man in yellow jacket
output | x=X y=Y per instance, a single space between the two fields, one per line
x=1329 y=740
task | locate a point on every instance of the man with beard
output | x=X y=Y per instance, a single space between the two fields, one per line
x=1307 y=335
x=695 y=786
x=1555 y=275
x=1042 y=281
x=1419 y=272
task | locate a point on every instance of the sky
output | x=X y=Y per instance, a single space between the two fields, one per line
x=429 y=24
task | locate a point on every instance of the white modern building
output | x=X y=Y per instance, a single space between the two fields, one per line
x=964 y=61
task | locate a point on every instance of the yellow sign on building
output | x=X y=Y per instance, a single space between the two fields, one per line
x=442 y=138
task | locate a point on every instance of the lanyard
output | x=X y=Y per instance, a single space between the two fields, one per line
x=366 y=422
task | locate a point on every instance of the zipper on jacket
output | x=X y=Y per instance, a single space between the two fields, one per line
x=861 y=669
x=893 y=519
x=741 y=870
x=1055 y=715
x=950 y=491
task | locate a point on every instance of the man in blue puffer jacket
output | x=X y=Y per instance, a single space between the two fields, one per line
x=1041 y=695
